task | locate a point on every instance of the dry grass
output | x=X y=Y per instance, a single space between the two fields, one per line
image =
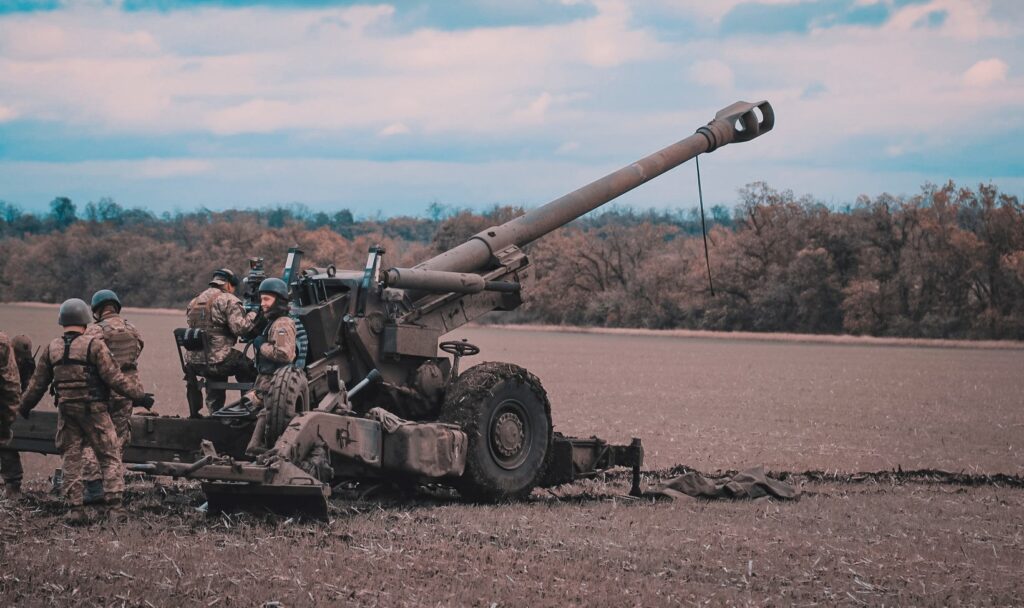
x=709 y=403
x=874 y=544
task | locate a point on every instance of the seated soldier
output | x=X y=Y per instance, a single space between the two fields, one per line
x=275 y=349
x=220 y=313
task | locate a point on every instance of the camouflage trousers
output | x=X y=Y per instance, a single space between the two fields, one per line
x=120 y=411
x=82 y=425
x=256 y=396
x=10 y=467
x=235 y=364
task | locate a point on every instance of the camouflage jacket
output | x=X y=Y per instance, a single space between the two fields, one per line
x=121 y=337
x=222 y=316
x=279 y=348
x=26 y=367
x=83 y=377
x=23 y=355
x=10 y=384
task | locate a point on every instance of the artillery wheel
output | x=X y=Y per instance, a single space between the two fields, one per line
x=287 y=395
x=505 y=413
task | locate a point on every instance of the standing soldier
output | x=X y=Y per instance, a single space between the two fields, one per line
x=10 y=393
x=82 y=371
x=125 y=346
x=219 y=313
x=10 y=462
x=275 y=348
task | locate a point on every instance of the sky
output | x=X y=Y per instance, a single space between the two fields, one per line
x=385 y=108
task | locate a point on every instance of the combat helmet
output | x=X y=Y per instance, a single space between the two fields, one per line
x=224 y=276
x=74 y=312
x=274 y=286
x=104 y=296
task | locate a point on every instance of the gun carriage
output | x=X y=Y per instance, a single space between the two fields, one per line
x=409 y=412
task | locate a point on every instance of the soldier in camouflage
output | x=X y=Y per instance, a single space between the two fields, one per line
x=82 y=372
x=11 y=470
x=275 y=349
x=10 y=393
x=220 y=313
x=125 y=346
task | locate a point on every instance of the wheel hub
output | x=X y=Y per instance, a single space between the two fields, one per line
x=508 y=435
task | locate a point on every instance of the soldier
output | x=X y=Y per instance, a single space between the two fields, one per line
x=220 y=314
x=10 y=462
x=275 y=348
x=10 y=393
x=82 y=372
x=125 y=346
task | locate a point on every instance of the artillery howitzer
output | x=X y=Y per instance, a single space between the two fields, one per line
x=411 y=414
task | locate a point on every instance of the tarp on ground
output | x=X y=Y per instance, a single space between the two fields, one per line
x=749 y=484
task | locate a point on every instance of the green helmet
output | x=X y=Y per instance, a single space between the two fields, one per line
x=74 y=312
x=103 y=296
x=275 y=286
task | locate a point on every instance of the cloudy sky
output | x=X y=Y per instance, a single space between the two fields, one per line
x=387 y=107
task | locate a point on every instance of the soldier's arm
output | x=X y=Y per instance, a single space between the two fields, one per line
x=135 y=333
x=110 y=372
x=240 y=323
x=10 y=382
x=37 y=386
x=280 y=345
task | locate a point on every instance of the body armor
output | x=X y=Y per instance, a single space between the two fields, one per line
x=121 y=341
x=75 y=379
x=200 y=313
x=264 y=365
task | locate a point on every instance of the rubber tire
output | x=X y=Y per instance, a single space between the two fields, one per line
x=471 y=402
x=287 y=395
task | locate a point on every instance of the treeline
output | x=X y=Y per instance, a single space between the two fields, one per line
x=946 y=263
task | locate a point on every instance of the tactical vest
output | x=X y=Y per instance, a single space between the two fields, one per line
x=75 y=378
x=122 y=343
x=200 y=313
x=266 y=366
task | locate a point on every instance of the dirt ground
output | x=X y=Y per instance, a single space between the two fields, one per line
x=707 y=403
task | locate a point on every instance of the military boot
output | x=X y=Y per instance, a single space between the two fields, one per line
x=113 y=506
x=13 y=490
x=78 y=515
x=93 y=492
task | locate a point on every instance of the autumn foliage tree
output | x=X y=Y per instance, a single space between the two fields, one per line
x=947 y=262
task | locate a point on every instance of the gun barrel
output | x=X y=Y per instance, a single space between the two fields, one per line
x=739 y=122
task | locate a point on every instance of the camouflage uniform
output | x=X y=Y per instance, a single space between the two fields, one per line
x=10 y=387
x=221 y=315
x=82 y=371
x=11 y=470
x=277 y=351
x=125 y=346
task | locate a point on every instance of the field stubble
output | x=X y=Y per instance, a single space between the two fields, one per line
x=710 y=404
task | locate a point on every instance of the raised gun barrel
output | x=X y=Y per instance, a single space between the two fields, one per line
x=739 y=122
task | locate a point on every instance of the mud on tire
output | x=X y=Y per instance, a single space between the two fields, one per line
x=506 y=415
x=287 y=395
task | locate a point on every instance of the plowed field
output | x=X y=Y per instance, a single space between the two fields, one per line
x=708 y=403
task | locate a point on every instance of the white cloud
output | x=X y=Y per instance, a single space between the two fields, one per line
x=712 y=73
x=986 y=73
x=7 y=113
x=961 y=19
x=395 y=128
x=159 y=168
x=713 y=10
x=301 y=69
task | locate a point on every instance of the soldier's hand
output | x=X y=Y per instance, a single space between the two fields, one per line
x=146 y=401
x=24 y=409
